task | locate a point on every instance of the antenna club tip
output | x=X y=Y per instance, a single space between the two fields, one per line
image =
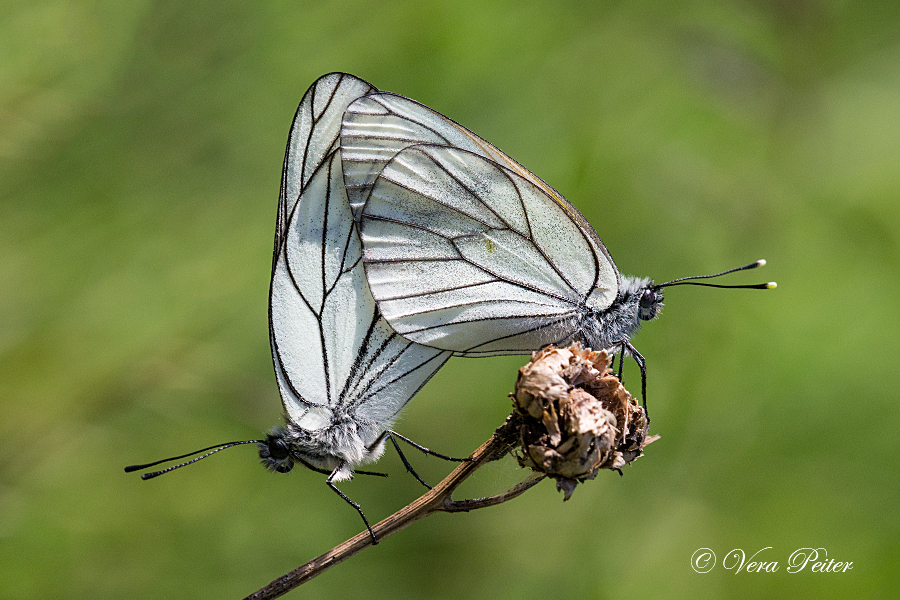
x=771 y=285
x=761 y=262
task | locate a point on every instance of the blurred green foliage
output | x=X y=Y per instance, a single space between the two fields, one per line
x=140 y=153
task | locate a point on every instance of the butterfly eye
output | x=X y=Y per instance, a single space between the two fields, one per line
x=278 y=449
x=648 y=305
x=275 y=453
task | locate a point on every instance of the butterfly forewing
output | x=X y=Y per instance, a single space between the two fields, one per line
x=465 y=248
x=379 y=125
x=464 y=254
x=375 y=128
x=335 y=356
x=331 y=346
x=314 y=134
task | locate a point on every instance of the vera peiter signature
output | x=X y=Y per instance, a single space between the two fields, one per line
x=813 y=560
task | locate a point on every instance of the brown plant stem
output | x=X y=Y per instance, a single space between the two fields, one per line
x=435 y=500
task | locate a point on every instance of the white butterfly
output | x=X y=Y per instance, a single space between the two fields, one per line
x=468 y=251
x=343 y=373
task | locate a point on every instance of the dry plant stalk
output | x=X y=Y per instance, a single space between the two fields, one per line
x=571 y=418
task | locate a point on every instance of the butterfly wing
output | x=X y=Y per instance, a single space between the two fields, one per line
x=379 y=126
x=465 y=254
x=335 y=357
x=314 y=135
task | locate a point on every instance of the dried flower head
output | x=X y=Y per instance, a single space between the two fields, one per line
x=577 y=417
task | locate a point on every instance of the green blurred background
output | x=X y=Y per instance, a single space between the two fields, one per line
x=140 y=153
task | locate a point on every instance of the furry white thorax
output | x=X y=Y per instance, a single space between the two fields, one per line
x=605 y=330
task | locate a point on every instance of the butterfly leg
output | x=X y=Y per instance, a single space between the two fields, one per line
x=403 y=458
x=330 y=483
x=391 y=435
x=423 y=448
x=643 y=365
x=626 y=345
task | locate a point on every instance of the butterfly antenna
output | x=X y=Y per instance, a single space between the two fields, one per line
x=753 y=286
x=209 y=452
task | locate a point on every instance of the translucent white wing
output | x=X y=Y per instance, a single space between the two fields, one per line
x=377 y=126
x=335 y=357
x=482 y=316
x=465 y=254
x=314 y=135
x=340 y=366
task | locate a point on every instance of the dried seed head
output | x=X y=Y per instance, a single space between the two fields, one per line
x=576 y=416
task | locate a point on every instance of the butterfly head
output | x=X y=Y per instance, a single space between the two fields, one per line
x=650 y=302
x=275 y=451
x=639 y=300
x=335 y=449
